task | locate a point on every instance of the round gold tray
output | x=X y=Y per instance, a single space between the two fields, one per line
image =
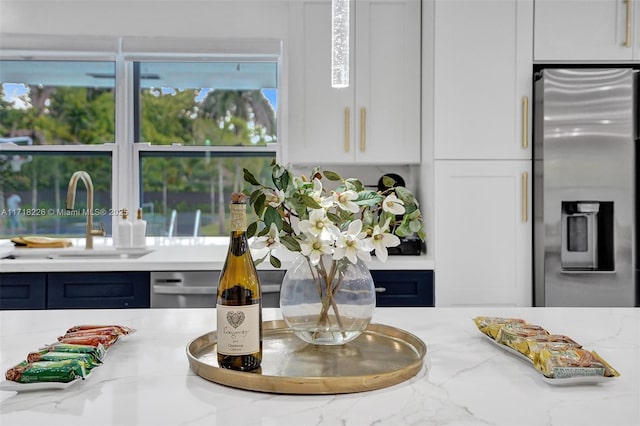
x=381 y=356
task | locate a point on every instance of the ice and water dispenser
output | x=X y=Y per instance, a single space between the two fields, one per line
x=587 y=236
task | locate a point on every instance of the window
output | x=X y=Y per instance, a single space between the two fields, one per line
x=165 y=131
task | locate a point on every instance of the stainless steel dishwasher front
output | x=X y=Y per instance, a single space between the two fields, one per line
x=197 y=289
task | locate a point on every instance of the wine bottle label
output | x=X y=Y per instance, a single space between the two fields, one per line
x=238 y=329
x=238 y=217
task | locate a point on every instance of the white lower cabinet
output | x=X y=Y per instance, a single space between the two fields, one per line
x=483 y=232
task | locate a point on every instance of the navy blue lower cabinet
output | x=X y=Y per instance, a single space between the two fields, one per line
x=403 y=288
x=26 y=290
x=87 y=290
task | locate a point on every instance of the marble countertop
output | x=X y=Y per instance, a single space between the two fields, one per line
x=146 y=379
x=177 y=254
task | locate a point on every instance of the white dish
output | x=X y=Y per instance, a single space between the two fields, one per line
x=582 y=380
x=7 y=385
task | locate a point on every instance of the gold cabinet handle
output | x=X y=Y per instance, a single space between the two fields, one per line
x=525 y=122
x=363 y=119
x=347 y=129
x=627 y=39
x=525 y=196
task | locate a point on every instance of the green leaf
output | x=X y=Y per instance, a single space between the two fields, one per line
x=333 y=217
x=259 y=203
x=254 y=196
x=251 y=229
x=367 y=218
x=405 y=195
x=332 y=175
x=354 y=184
x=271 y=215
x=256 y=262
x=388 y=181
x=404 y=230
x=290 y=243
x=248 y=177
x=415 y=225
x=310 y=202
x=281 y=179
x=368 y=198
x=275 y=262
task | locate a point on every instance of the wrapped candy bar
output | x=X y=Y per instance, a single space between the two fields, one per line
x=492 y=325
x=88 y=360
x=97 y=351
x=515 y=335
x=573 y=362
x=532 y=346
x=101 y=329
x=46 y=371
x=91 y=340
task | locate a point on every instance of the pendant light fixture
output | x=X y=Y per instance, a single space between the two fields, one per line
x=339 y=43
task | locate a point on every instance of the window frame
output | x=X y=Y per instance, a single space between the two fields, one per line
x=124 y=51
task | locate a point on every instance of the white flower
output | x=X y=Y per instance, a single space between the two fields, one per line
x=344 y=200
x=275 y=197
x=316 y=194
x=393 y=204
x=318 y=224
x=381 y=240
x=353 y=244
x=314 y=247
x=271 y=240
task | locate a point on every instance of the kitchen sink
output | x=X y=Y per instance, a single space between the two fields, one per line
x=69 y=254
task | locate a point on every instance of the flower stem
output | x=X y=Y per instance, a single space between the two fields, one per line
x=327 y=298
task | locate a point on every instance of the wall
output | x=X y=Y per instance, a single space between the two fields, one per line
x=170 y=18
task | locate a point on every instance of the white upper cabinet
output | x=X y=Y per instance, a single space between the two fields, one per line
x=376 y=120
x=483 y=71
x=587 y=30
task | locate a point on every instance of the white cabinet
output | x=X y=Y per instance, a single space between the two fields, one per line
x=483 y=73
x=483 y=233
x=376 y=120
x=587 y=30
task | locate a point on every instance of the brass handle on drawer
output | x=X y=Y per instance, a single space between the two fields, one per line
x=347 y=129
x=363 y=119
x=627 y=39
x=525 y=122
x=525 y=196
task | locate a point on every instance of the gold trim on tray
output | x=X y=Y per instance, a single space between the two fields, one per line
x=381 y=356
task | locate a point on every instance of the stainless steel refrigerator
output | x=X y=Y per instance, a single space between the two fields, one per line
x=585 y=181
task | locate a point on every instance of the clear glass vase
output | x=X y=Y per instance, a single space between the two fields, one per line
x=330 y=303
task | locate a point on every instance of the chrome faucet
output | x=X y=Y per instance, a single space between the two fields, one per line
x=71 y=199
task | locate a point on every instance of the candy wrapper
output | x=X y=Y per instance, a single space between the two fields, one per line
x=557 y=357
x=572 y=362
x=46 y=371
x=98 y=351
x=89 y=361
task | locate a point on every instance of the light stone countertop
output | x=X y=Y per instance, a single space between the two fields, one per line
x=176 y=254
x=146 y=379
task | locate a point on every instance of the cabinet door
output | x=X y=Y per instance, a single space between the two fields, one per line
x=321 y=128
x=483 y=233
x=403 y=288
x=376 y=120
x=483 y=79
x=98 y=290
x=583 y=30
x=387 y=81
x=23 y=290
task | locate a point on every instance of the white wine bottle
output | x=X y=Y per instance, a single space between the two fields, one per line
x=239 y=301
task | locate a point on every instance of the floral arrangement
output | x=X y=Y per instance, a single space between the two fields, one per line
x=348 y=221
x=332 y=229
